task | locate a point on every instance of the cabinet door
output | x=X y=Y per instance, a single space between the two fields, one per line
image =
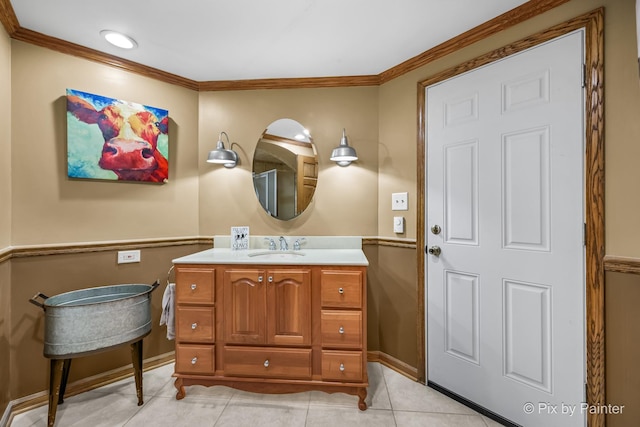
x=244 y=306
x=289 y=307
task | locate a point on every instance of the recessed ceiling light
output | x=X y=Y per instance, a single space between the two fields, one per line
x=118 y=39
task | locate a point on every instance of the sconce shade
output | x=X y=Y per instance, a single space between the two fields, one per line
x=343 y=154
x=221 y=155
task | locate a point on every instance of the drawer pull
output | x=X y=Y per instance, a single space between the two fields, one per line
x=194 y=325
x=194 y=360
x=341 y=330
x=260 y=279
x=270 y=279
x=341 y=290
x=342 y=367
x=193 y=286
x=266 y=363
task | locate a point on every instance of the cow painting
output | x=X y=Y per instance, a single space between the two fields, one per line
x=113 y=139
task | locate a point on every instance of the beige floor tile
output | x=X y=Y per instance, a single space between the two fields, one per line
x=168 y=412
x=352 y=417
x=421 y=419
x=253 y=414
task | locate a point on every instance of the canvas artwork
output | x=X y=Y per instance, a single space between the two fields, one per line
x=118 y=140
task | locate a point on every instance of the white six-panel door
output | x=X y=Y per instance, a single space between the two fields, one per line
x=505 y=297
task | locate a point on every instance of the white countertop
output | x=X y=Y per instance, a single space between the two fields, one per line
x=351 y=255
x=305 y=257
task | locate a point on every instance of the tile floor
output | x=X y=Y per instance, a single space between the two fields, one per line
x=393 y=400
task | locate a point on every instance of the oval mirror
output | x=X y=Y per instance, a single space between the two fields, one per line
x=285 y=169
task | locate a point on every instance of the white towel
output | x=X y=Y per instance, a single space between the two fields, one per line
x=168 y=310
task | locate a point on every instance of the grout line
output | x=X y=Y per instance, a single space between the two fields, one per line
x=386 y=387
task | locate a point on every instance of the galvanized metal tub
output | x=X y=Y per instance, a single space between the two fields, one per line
x=92 y=319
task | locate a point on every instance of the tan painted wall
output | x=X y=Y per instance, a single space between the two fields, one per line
x=623 y=347
x=5 y=332
x=5 y=214
x=48 y=207
x=345 y=201
x=5 y=140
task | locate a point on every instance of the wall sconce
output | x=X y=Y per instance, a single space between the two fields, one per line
x=343 y=154
x=221 y=155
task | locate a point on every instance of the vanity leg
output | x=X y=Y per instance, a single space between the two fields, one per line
x=66 y=366
x=136 y=356
x=55 y=377
x=362 y=395
x=178 y=385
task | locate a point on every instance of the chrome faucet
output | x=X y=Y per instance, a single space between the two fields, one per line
x=284 y=246
x=272 y=243
x=298 y=242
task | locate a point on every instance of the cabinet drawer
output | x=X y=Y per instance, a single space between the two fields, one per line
x=195 y=359
x=341 y=289
x=195 y=324
x=342 y=365
x=267 y=362
x=195 y=285
x=341 y=328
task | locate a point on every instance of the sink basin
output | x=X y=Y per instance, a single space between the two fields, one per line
x=277 y=254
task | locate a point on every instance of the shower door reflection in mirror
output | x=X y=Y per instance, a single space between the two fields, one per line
x=285 y=169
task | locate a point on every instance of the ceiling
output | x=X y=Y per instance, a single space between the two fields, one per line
x=214 y=40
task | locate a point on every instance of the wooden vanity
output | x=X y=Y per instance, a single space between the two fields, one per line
x=272 y=326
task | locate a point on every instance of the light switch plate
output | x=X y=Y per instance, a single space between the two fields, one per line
x=399 y=201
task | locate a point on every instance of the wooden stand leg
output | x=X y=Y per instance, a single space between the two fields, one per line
x=136 y=356
x=362 y=395
x=66 y=366
x=180 y=387
x=55 y=377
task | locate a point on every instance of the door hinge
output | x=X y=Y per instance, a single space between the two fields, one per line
x=584 y=75
x=584 y=235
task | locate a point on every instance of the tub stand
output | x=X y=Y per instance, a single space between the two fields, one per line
x=59 y=375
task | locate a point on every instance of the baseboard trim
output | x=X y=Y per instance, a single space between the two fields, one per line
x=86 y=384
x=393 y=363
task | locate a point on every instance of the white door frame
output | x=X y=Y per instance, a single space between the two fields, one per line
x=592 y=23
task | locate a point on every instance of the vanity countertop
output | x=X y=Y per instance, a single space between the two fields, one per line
x=263 y=257
x=317 y=251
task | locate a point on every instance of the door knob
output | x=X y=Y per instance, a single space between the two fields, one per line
x=434 y=250
x=436 y=229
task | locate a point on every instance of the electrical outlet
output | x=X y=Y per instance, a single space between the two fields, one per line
x=399 y=201
x=125 y=257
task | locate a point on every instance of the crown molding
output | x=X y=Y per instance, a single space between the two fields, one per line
x=508 y=19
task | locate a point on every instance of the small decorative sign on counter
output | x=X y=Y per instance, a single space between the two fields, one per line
x=239 y=238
